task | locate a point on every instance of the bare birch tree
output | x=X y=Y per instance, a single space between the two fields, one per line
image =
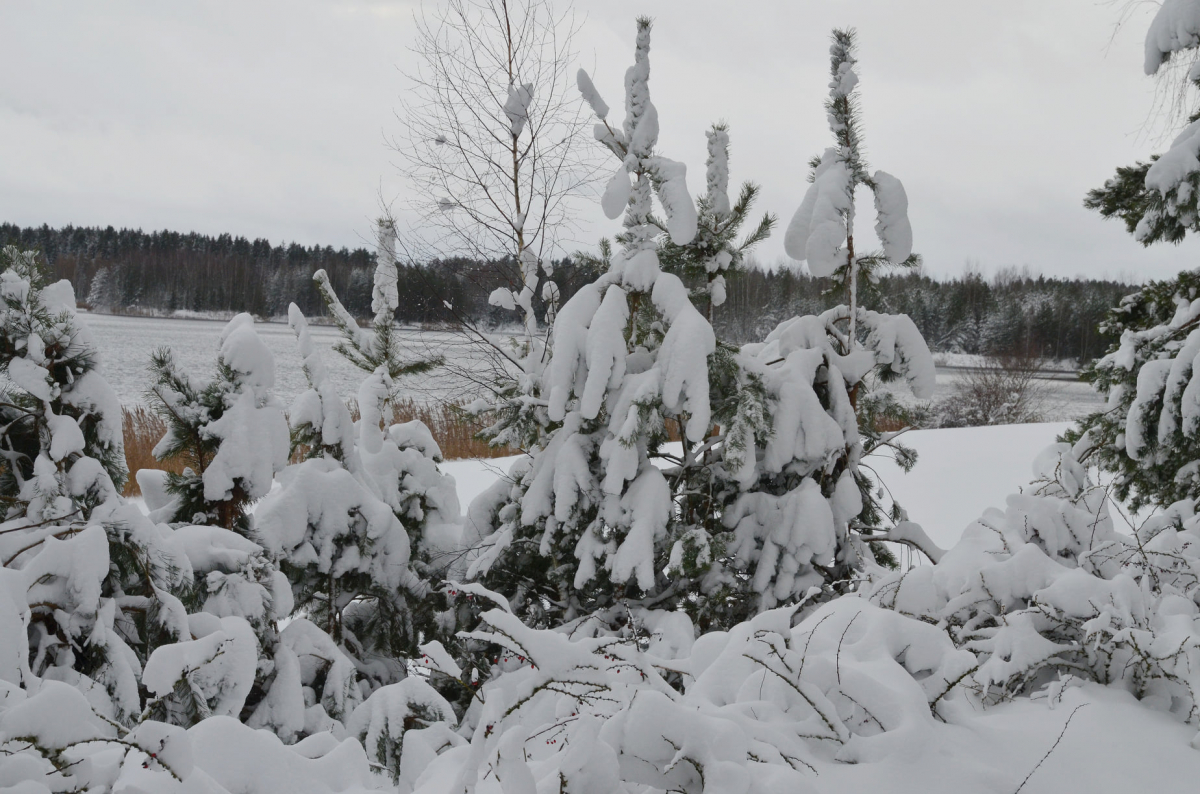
x=492 y=147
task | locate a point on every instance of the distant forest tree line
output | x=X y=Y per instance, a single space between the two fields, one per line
x=131 y=271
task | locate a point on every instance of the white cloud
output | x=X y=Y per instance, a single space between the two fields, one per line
x=268 y=118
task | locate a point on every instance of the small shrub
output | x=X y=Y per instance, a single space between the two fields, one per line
x=1004 y=390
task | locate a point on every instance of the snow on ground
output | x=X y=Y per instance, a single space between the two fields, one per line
x=1113 y=744
x=961 y=472
x=473 y=477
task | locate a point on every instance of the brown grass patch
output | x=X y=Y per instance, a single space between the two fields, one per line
x=453 y=431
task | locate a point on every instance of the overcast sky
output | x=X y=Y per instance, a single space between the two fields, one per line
x=268 y=119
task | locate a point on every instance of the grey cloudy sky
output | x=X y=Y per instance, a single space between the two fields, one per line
x=268 y=119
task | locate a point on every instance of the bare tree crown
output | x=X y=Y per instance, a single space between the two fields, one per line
x=491 y=130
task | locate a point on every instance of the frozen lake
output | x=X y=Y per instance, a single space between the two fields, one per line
x=126 y=344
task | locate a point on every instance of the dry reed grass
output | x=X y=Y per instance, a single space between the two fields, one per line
x=142 y=429
x=453 y=431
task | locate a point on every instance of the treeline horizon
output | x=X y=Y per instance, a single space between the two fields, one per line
x=162 y=272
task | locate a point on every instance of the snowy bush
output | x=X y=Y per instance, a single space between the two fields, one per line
x=753 y=709
x=1048 y=592
x=53 y=741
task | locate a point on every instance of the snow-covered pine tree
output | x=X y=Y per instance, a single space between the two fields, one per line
x=584 y=520
x=229 y=431
x=773 y=506
x=399 y=460
x=1148 y=434
x=61 y=436
x=343 y=548
x=822 y=230
x=100 y=292
x=380 y=346
x=822 y=233
x=365 y=524
x=97 y=576
x=516 y=406
x=715 y=252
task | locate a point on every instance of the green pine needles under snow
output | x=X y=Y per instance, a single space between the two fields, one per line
x=307 y=607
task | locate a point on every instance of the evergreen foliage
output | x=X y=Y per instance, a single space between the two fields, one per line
x=364 y=524
x=229 y=431
x=99 y=578
x=380 y=347
x=825 y=220
x=50 y=361
x=716 y=253
x=764 y=504
x=1146 y=436
x=822 y=233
